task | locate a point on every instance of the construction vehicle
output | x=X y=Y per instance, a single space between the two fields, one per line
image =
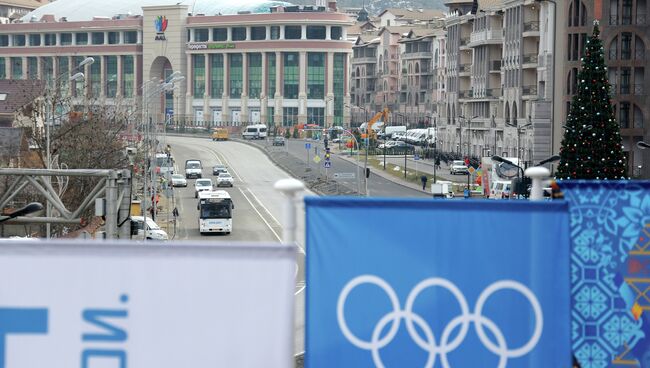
x=368 y=129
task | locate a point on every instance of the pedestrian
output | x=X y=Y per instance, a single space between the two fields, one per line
x=423 y=178
x=437 y=163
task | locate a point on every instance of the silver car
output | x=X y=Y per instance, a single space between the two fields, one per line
x=179 y=180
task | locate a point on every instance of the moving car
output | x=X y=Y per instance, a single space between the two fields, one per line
x=217 y=169
x=225 y=180
x=202 y=185
x=151 y=231
x=193 y=169
x=178 y=180
x=458 y=167
x=278 y=141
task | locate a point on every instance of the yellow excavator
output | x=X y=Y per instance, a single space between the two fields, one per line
x=383 y=115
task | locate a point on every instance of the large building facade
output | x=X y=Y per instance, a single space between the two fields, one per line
x=274 y=63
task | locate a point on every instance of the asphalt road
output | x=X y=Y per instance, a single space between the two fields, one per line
x=258 y=207
x=377 y=185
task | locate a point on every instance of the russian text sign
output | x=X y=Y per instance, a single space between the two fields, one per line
x=420 y=283
x=110 y=305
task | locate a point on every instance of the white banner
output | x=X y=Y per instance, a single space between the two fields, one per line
x=129 y=305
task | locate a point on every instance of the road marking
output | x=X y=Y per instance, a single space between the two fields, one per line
x=262 y=217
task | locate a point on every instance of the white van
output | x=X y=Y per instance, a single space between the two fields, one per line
x=151 y=231
x=258 y=131
x=389 y=131
x=500 y=189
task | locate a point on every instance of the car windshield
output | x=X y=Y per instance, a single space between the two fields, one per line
x=177 y=176
x=225 y=175
x=203 y=183
x=216 y=210
x=460 y=163
x=193 y=165
x=152 y=225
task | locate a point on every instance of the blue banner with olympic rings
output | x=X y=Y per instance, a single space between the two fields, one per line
x=434 y=283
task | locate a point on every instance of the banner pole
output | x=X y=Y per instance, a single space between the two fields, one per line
x=290 y=188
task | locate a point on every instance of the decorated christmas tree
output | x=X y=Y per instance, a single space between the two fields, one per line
x=591 y=147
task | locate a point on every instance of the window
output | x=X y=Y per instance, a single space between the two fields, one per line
x=131 y=37
x=315 y=32
x=216 y=75
x=625 y=81
x=254 y=75
x=98 y=38
x=32 y=67
x=316 y=115
x=336 y=33
x=4 y=40
x=34 y=40
x=219 y=34
x=81 y=38
x=289 y=116
x=47 y=69
x=16 y=68
x=258 y=33
x=64 y=69
x=111 y=76
x=316 y=75
x=235 y=82
x=78 y=87
x=626 y=18
x=269 y=115
x=201 y=35
x=291 y=75
x=338 y=86
x=626 y=46
x=3 y=63
x=128 y=76
x=238 y=33
x=19 y=40
x=66 y=39
x=95 y=76
x=49 y=39
x=275 y=32
x=292 y=32
x=624 y=115
x=270 y=72
x=198 y=75
x=113 y=38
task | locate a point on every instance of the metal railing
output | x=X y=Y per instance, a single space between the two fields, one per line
x=464 y=41
x=466 y=94
x=531 y=59
x=493 y=92
x=495 y=65
x=532 y=26
x=529 y=91
x=639 y=54
x=465 y=68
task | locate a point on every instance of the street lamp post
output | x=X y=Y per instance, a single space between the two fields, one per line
x=469 y=132
x=405 y=147
x=435 y=143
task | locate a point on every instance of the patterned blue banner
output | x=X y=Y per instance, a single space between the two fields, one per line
x=610 y=272
x=422 y=283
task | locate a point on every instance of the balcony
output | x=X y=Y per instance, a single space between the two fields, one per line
x=465 y=69
x=529 y=91
x=640 y=19
x=495 y=66
x=486 y=36
x=531 y=29
x=465 y=94
x=464 y=42
x=493 y=92
x=364 y=60
x=530 y=60
x=417 y=55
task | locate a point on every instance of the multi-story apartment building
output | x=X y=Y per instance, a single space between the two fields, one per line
x=11 y=10
x=497 y=99
x=262 y=61
x=625 y=31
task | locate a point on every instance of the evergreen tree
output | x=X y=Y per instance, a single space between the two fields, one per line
x=592 y=146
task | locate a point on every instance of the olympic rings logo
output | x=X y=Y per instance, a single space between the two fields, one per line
x=428 y=342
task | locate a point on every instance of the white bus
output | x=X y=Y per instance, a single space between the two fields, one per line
x=215 y=212
x=258 y=131
x=164 y=163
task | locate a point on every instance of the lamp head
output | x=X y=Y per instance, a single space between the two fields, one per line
x=87 y=61
x=78 y=77
x=642 y=145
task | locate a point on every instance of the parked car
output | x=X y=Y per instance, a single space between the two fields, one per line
x=278 y=141
x=217 y=169
x=225 y=180
x=458 y=167
x=149 y=231
x=202 y=185
x=178 y=180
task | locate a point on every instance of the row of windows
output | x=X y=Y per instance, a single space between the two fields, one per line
x=16 y=71
x=66 y=39
x=259 y=33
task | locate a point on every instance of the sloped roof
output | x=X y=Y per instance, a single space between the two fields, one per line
x=73 y=12
x=397 y=29
x=16 y=93
x=11 y=140
x=421 y=14
x=28 y=4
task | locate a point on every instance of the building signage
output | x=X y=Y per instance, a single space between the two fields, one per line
x=160 y=22
x=81 y=305
x=210 y=46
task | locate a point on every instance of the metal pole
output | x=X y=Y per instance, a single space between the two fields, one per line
x=290 y=188
x=48 y=209
x=111 y=206
x=126 y=186
x=435 y=148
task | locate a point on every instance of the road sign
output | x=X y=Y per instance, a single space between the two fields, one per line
x=317 y=159
x=307 y=145
x=471 y=170
x=327 y=164
x=349 y=175
x=416 y=157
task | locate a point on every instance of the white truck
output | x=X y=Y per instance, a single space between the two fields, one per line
x=496 y=178
x=442 y=189
x=257 y=131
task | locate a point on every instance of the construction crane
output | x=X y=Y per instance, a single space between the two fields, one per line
x=368 y=129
